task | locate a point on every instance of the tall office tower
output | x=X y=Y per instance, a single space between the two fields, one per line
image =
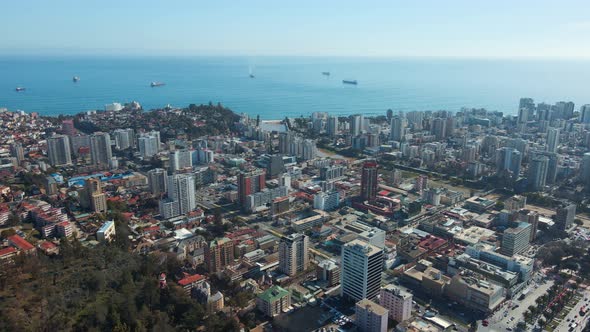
x=96 y=199
x=585 y=114
x=585 y=169
x=566 y=213
x=332 y=126
x=124 y=138
x=181 y=189
x=67 y=127
x=17 y=151
x=370 y=317
x=356 y=124
x=369 y=181
x=58 y=149
x=529 y=105
x=100 y=149
x=508 y=159
x=250 y=183
x=180 y=159
x=148 y=145
x=552 y=139
x=362 y=264
x=398 y=128
x=537 y=175
x=516 y=240
x=438 y=128
x=293 y=258
x=219 y=254
x=397 y=301
x=158 y=181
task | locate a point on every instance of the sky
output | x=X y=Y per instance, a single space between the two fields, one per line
x=455 y=28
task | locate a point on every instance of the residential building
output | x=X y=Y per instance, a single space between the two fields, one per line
x=328 y=271
x=218 y=254
x=106 y=232
x=370 y=317
x=100 y=149
x=273 y=301
x=293 y=256
x=158 y=181
x=369 y=181
x=397 y=301
x=516 y=240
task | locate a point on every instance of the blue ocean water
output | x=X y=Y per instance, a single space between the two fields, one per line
x=288 y=86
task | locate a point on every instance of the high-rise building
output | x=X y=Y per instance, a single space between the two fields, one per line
x=100 y=149
x=329 y=173
x=361 y=270
x=17 y=151
x=552 y=139
x=537 y=174
x=326 y=201
x=96 y=199
x=585 y=169
x=469 y=153
x=219 y=254
x=180 y=159
x=370 y=317
x=148 y=145
x=566 y=213
x=398 y=128
x=516 y=240
x=356 y=124
x=564 y=110
x=58 y=149
x=124 y=138
x=585 y=114
x=332 y=129
x=439 y=128
x=181 y=196
x=397 y=301
x=531 y=217
x=250 y=183
x=508 y=159
x=67 y=127
x=293 y=258
x=158 y=181
x=369 y=181
x=529 y=105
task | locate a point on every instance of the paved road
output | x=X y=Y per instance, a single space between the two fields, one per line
x=574 y=315
x=502 y=319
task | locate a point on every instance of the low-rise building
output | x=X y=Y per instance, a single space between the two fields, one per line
x=106 y=232
x=273 y=301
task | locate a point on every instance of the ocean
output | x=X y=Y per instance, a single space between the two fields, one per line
x=288 y=86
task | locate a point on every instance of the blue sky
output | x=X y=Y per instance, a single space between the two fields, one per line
x=466 y=28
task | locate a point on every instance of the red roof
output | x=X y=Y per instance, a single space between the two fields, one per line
x=7 y=251
x=20 y=243
x=48 y=245
x=190 y=279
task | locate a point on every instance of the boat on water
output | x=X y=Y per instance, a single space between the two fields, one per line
x=155 y=84
x=75 y=79
x=19 y=89
x=326 y=73
x=250 y=73
x=353 y=82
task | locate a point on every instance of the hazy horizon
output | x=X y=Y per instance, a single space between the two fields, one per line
x=457 y=29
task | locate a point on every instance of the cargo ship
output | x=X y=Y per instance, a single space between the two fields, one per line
x=155 y=84
x=75 y=79
x=353 y=82
x=326 y=73
x=19 y=89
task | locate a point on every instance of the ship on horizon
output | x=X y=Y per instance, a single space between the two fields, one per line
x=75 y=79
x=353 y=82
x=326 y=73
x=250 y=73
x=156 y=84
x=19 y=89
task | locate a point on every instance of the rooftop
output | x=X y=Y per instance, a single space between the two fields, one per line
x=273 y=294
x=372 y=307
